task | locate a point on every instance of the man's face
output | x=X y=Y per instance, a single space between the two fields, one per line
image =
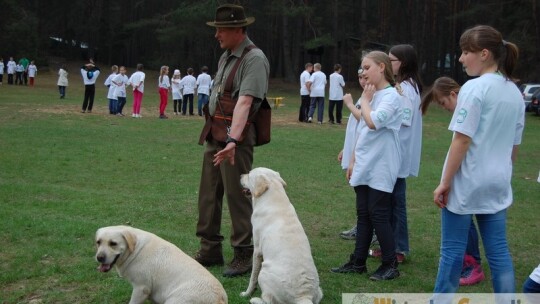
x=227 y=37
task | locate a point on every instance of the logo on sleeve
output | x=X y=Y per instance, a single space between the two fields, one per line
x=407 y=114
x=382 y=116
x=462 y=114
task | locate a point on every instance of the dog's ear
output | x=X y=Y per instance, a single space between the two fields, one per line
x=260 y=185
x=131 y=239
x=281 y=180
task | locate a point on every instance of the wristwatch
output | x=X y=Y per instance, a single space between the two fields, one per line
x=231 y=140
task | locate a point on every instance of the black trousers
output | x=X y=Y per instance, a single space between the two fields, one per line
x=10 y=78
x=187 y=97
x=177 y=104
x=373 y=211
x=339 y=110
x=19 y=79
x=304 y=108
x=89 y=93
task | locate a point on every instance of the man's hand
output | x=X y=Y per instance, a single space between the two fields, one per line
x=226 y=153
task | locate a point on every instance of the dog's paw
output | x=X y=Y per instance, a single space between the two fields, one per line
x=245 y=294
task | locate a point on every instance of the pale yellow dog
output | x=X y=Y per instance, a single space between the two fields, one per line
x=157 y=270
x=282 y=262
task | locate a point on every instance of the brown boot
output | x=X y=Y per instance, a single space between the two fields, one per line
x=241 y=263
x=208 y=260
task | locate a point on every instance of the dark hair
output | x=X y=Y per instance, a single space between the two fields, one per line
x=441 y=87
x=309 y=64
x=486 y=37
x=408 y=70
x=204 y=69
x=140 y=66
x=337 y=67
x=190 y=71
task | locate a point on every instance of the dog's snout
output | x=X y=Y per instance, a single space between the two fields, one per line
x=100 y=258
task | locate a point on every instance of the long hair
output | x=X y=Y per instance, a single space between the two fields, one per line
x=408 y=70
x=442 y=86
x=381 y=57
x=486 y=37
x=164 y=71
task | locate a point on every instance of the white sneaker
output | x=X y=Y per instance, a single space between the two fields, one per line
x=133 y=115
x=310 y=119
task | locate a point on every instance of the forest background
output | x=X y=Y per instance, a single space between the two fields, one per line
x=291 y=32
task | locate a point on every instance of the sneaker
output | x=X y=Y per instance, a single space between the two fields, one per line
x=309 y=119
x=89 y=111
x=209 y=261
x=375 y=253
x=134 y=115
x=320 y=122
x=83 y=111
x=350 y=267
x=349 y=234
x=471 y=273
x=385 y=272
x=163 y=116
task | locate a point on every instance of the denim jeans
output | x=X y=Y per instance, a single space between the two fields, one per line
x=472 y=243
x=454 y=231
x=202 y=99
x=531 y=286
x=113 y=105
x=317 y=102
x=62 y=90
x=399 y=217
x=121 y=104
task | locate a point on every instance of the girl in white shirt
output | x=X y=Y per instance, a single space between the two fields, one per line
x=476 y=179
x=375 y=164
x=164 y=87
x=120 y=81
x=32 y=72
x=111 y=96
x=1 y=69
x=177 y=91
x=62 y=81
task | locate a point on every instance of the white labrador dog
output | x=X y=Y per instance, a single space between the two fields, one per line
x=282 y=262
x=157 y=270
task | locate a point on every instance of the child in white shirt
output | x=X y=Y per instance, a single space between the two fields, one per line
x=120 y=81
x=113 y=102
x=177 y=91
x=32 y=72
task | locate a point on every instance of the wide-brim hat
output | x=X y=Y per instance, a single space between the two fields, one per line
x=230 y=15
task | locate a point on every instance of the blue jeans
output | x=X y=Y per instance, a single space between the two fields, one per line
x=454 y=231
x=62 y=90
x=399 y=217
x=113 y=104
x=472 y=243
x=121 y=104
x=317 y=102
x=202 y=99
x=531 y=286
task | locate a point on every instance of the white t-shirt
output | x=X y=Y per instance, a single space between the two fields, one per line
x=350 y=140
x=377 y=152
x=535 y=275
x=304 y=77
x=1 y=68
x=11 y=65
x=203 y=84
x=164 y=83
x=318 y=83
x=136 y=79
x=188 y=84
x=490 y=110
x=410 y=133
x=32 y=70
x=177 y=88
x=120 y=82
x=62 y=78
x=336 y=86
x=112 y=87
x=86 y=74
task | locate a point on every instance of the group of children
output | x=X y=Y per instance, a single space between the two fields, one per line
x=487 y=122
x=183 y=90
x=18 y=73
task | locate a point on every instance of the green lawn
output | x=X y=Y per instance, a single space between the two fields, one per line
x=64 y=174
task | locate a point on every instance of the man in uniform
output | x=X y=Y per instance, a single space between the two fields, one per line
x=225 y=160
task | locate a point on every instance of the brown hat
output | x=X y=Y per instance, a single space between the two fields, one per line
x=230 y=15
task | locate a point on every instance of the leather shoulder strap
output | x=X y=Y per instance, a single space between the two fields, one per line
x=230 y=78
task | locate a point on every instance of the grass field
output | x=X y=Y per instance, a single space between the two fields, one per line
x=64 y=174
